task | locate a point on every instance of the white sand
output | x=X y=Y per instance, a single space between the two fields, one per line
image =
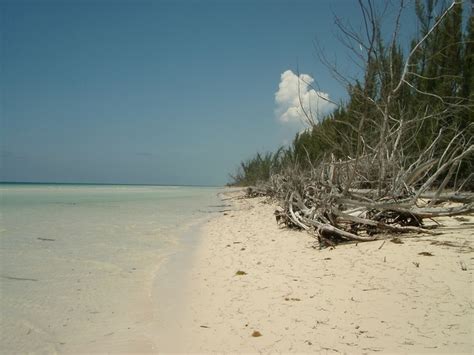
x=359 y=298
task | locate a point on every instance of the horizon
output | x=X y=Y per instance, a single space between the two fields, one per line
x=100 y=183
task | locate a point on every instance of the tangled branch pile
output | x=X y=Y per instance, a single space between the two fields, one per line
x=331 y=203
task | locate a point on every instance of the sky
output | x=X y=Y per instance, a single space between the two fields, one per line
x=159 y=92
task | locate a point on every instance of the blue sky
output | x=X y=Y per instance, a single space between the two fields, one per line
x=153 y=92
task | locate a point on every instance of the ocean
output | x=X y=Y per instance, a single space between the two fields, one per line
x=79 y=263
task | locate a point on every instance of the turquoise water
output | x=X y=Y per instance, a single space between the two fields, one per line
x=78 y=262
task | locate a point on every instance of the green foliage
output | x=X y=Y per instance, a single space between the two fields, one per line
x=261 y=167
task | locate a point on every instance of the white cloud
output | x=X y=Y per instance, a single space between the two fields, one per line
x=295 y=92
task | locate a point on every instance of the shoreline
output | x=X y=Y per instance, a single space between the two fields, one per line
x=171 y=284
x=170 y=289
x=254 y=287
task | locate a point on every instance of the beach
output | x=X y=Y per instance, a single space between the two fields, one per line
x=256 y=287
x=167 y=270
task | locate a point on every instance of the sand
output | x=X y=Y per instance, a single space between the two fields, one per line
x=357 y=298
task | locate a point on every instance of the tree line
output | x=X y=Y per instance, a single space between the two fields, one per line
x=413 y=100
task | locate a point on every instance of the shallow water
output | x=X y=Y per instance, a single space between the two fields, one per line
x=78 y=262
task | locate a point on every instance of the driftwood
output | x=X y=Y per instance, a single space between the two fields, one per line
x=330 y=203
x=253 y=191
x=333 y=219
